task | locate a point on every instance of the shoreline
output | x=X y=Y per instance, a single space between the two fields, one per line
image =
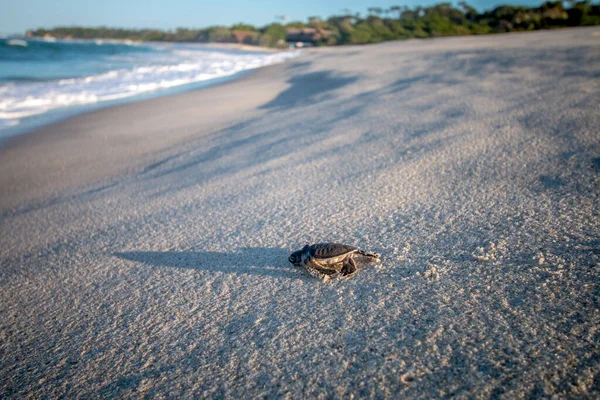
x=37 y=118
x=41 y=121
x=49 y=139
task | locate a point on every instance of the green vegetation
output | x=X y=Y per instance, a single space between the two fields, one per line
x=379 y=25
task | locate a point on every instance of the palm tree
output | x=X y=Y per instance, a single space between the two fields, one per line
x=375 y=10
x=397 y=10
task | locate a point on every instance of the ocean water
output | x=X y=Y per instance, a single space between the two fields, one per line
x=45 y=80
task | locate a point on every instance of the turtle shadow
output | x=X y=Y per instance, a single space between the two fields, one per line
x=261 y=261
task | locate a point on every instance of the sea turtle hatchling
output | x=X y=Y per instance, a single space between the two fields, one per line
x=326 y=260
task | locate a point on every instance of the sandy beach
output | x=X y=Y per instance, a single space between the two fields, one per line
x=144 y=247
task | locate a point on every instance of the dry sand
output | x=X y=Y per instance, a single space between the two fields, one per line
x=144 y=247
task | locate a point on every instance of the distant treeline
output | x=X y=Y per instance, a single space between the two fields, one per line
x=378 y=25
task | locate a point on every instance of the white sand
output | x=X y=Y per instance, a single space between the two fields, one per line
x=144 y=247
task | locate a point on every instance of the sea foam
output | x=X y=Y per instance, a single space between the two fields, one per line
x=167 y=66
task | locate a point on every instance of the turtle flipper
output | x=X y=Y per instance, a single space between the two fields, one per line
x=316 y=268
x=349 y=268
x=371 y=256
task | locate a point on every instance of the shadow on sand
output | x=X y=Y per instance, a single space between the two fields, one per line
x=263 y=261
x=307 y=88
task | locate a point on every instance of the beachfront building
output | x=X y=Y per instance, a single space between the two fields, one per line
x=303 y=37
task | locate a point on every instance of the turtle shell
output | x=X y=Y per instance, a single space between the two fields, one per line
x=322 y=251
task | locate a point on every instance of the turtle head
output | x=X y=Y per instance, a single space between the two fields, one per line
x=296 y=257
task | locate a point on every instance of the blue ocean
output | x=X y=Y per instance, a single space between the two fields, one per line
x=45 y=80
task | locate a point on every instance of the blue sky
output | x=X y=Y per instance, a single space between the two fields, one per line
x=18 y=16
